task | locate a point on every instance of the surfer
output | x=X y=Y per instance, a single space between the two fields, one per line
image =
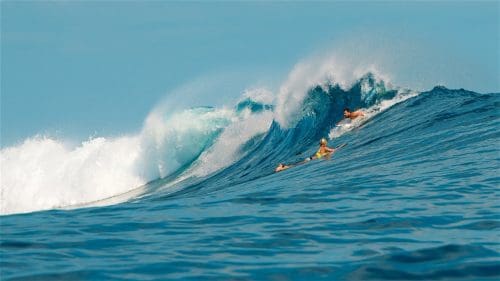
x=281 y=167
x=352 y=114
x=323 y=151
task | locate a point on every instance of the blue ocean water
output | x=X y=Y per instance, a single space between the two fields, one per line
x=413 y=196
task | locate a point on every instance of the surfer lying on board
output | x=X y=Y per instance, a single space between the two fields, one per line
x=323 y=151
x=352 y=114
x=281 y=167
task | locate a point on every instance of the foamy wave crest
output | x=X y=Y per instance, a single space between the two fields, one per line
x=44 y=173
x=324 y=72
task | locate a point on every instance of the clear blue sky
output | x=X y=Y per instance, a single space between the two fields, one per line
x=76 y=69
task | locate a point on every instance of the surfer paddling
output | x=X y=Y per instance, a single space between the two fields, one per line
x=323 y=151
x=351 y=114
x=281 y=167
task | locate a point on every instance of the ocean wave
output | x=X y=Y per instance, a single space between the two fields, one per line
x=214 y=146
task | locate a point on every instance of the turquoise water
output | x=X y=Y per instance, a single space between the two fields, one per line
x=413 y=196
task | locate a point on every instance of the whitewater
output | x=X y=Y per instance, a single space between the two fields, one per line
x=193 y=195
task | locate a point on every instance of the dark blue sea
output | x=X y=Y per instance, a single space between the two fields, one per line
x=414 y=195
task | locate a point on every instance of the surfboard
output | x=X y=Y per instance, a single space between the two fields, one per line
x=340 y=146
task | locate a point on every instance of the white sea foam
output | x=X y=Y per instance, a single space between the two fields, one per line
x=312 y=72
x=44 y=173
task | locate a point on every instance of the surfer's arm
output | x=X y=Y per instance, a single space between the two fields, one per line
x=331 y=150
